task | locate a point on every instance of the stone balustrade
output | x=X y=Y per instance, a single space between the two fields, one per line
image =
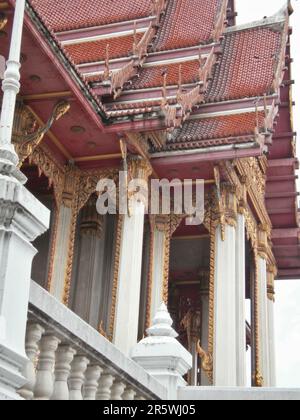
x=69 y=360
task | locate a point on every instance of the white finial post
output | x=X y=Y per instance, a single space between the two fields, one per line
x=22 y=220
x=162 y=356
x=11 y=87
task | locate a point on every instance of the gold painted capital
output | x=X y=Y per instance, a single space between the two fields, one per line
x=3 y=20
x=226 y=207
x=271 y=274
x=139 y=168
x=263 y=241
x=160 y=222
x=91 y=223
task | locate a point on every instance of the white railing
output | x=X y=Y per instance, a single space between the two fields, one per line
x=69 y=360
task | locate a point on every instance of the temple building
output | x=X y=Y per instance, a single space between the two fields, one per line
x=160 y=90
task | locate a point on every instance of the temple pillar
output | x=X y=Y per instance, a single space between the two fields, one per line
x=163 y=227
x=271 y=270
x=241 y=301
x=225 y=308
x=60 y=270
x=160 y=226
x=262 y=306
x=130 y=264
x=88 y=281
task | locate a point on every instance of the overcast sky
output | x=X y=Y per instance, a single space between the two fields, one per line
x=287 y=293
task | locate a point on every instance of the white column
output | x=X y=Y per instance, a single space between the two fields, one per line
x=61 y=251
x=241 y=302
x=225 y=357
x=131 y=252
x=263 y=321
x=158 y=270
x=160 y=225
x=271 y=328
x=11 y=87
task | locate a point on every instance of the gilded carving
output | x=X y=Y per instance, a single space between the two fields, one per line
x=47 y=165
x=206 y=362
x=3 y=20
x=54 y=232
x=271 y=274
x=116 y=275
x=91 y=223
x=26 y=136
x=257 y=375
x=148 y=320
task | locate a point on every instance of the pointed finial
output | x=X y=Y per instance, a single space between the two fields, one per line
x=135 y=41
x=164 y=89
x=106 y=71
x=162 y=324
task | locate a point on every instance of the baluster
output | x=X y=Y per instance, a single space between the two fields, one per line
x=140 y=398
x=129 y=394
x=64 y=357
x=104 y=388
x=34 y=334
x=117 y=390
x=92 y=377
x=44 y=378
x=76 y=379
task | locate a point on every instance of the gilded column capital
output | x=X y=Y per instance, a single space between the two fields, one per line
x=242 y=199
x=160 y=222
x=91 y=223
x=3 y=20
x=263 y=241
x=271 y=274
x=70 y=186
x=226 y=208
x=139 y=168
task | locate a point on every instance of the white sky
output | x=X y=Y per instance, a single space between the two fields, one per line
x=287 y=293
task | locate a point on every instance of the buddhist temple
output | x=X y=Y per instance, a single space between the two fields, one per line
x=142 y=305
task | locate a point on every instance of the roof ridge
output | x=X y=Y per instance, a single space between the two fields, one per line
x=278 y=17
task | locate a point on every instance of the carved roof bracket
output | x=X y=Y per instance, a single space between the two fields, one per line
x=27 y=134
x=114 y=81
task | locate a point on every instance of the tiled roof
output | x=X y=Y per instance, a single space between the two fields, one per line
x=248 y=64
x=219 y=127
x=64 y=15
x=187 y=23
x=89 y=52
x=152 y=76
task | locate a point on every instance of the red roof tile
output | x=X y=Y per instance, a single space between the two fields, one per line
x=64 y=15
x=89 y=52
x=152 y=76
x=187 y=23
x=247 y=66
x=221 y=127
